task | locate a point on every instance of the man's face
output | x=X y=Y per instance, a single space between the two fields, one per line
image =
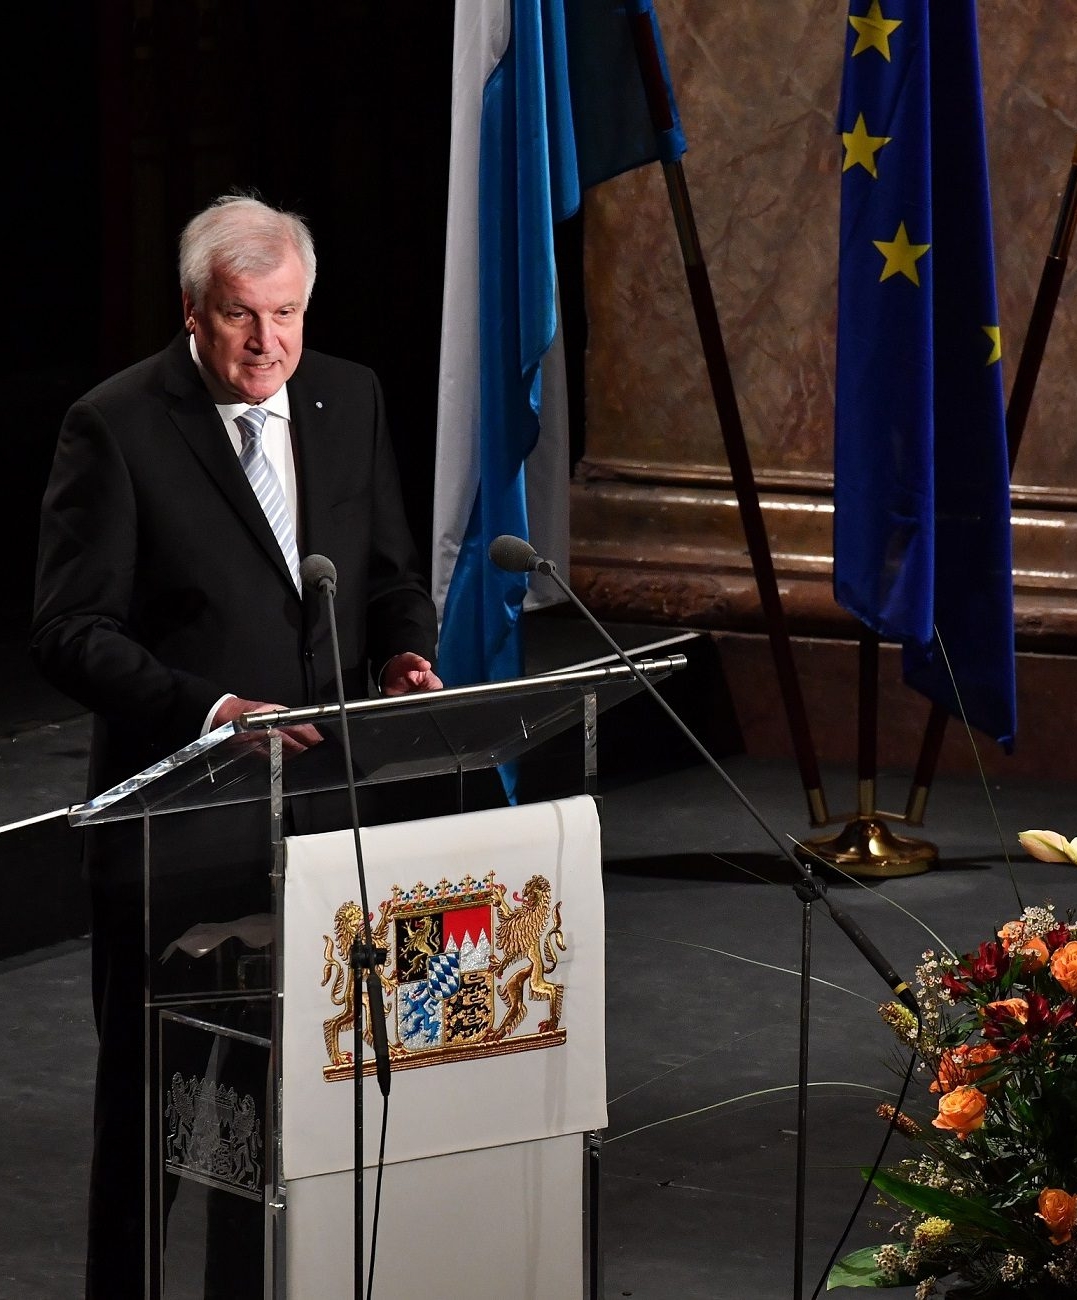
x=249 y=329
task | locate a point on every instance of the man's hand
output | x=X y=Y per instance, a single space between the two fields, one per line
x=409 y=672
x=294 y=739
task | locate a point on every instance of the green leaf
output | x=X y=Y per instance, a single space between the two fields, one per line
x=860 y=1269
x=962 y=1211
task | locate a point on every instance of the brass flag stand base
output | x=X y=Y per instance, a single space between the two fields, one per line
x=867 y=847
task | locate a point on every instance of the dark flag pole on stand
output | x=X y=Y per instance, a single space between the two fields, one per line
x=647 y=41
x=1024 y=384
x=557 y=97
x=922 y=537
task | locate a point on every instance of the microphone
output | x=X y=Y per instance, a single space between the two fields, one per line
x=320 y=574
x=515 y=555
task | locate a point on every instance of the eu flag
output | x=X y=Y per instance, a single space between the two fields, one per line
x=922 y=537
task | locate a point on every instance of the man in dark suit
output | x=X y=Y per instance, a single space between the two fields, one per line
x=168 y=601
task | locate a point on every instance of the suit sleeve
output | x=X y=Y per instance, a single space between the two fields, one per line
x=82 y=639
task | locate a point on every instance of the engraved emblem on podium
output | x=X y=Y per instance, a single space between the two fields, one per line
x=468 y=973
x=213 y=1135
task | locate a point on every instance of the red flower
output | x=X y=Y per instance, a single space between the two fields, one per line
x=956 y=988
x=1006 y=1023
x=1040 y=1019
x=1057 y=937
x=1064 y=1013
x=991 y=963
x=985 y=966
x=1015 y=1023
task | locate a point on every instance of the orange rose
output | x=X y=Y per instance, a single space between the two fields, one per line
x=1064 y=966
x=978 y=1060
x=961 y=1111
x=1017 y=1007
x=964 y=1065
x=1032 y=950
x=1011 y=935
x=1058 y=1209
x=1033 y=954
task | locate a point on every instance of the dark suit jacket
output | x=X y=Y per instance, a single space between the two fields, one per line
x=160 y=586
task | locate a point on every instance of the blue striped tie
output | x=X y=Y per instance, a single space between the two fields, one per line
x=266 y=485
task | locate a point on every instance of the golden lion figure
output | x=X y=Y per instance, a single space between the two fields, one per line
x=520 y=938
x=416 y=950
x=348 y=926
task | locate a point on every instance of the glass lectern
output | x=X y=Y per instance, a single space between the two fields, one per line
x=214 y=954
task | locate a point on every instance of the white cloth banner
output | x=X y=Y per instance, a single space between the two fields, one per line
x=494 y=984
x=437 y=1222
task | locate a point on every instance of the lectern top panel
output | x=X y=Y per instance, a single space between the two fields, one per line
x=426 y=734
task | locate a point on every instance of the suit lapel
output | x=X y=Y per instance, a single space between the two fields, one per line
x=316 y=472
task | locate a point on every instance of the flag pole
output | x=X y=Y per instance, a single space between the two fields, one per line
x=1024 y=384
x=725 y=402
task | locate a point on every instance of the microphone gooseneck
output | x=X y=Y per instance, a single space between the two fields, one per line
x=320 y=573
x=516 y=555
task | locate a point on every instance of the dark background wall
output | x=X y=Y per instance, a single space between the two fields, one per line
x=123 y=118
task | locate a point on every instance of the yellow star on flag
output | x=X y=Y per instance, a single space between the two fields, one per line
x=994 y=333
x=861 y=148
x=901 y=256
x=873 y=31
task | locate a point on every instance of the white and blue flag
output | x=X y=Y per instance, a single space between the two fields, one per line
x=548 y=98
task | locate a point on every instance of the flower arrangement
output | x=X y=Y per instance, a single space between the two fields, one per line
x=986 y=1201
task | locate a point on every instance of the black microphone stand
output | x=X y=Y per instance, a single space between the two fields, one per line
x=518 y=556
x=366 y=960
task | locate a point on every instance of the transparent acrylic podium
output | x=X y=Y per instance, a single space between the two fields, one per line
x=211 y=820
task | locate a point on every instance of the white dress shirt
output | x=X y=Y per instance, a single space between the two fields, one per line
x=276 y=443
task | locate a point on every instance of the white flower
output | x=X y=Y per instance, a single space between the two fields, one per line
x=888 y=1262
x=1048 y=846
x=1011 y=1268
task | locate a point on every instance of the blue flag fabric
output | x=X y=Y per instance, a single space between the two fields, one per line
x=527 y=180
x=615 y=129
x=540 y=116
x=922 y=535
